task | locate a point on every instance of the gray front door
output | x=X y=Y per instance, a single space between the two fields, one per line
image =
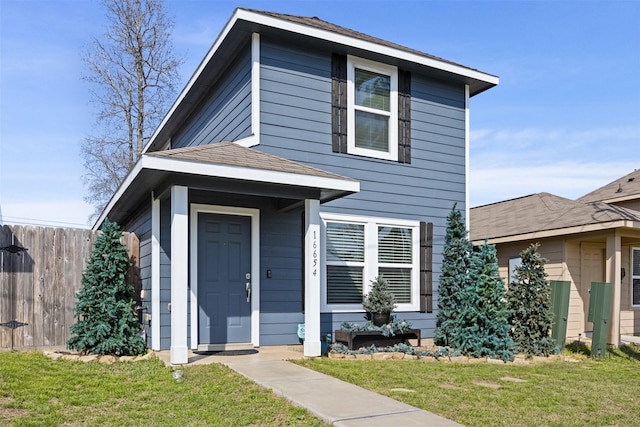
x=224 y=264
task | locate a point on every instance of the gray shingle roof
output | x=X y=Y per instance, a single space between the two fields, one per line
x=315 y=22
x=231 y=154
x=627 y=186
x=545 y=212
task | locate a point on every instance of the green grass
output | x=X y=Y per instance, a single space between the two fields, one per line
x=37 y=391
x=587 y=393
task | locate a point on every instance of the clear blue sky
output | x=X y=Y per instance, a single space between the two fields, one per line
x=565 y=118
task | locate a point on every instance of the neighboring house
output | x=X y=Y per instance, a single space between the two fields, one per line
x=595 y=238
x=301 y=160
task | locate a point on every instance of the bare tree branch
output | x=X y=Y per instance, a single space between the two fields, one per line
x=132 y=72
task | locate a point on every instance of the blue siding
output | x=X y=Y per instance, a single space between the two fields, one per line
x=164 y=317
x=225 y=115
x=281 y=295
x=296 y=124
x=141 y=226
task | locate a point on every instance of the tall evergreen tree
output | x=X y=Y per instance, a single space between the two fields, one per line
x=106 y=323
x=454 y=278
x=529 y=297
x=486 y=331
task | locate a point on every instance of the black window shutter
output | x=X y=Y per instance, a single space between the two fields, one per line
x=426 y=269
x=339 y=103
x=404 y=116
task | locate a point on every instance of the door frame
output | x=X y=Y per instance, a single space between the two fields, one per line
x=254 y=214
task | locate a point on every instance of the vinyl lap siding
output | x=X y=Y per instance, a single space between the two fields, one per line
x=296 y=124
x=225 y=114
x=281 y=295
x=141 y=226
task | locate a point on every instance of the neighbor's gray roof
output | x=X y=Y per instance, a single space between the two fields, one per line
x=541 y=212
x=232 y=154
x=622 y=188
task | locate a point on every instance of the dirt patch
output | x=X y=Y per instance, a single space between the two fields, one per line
x=8 y=414
x=448 y=386
x=513 y=379
x=488 y=384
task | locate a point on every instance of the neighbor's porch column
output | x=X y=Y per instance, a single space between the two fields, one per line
x=312 y=345
x=613 y=276
x=179 y=273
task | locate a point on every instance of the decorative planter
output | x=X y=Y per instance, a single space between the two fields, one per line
x=356 y=339
x=380 y=319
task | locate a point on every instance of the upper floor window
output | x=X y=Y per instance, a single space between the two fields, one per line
x=371 y=109
x=635 y=277
x=372 y=118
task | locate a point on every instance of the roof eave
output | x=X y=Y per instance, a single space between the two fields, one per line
x=331 y=187
x=543 y=234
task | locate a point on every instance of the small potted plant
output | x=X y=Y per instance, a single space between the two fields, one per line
x=379 y=302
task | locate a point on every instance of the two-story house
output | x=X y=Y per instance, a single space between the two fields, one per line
x=301 y=160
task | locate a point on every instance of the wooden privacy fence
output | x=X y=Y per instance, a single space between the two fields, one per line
x=38 y=285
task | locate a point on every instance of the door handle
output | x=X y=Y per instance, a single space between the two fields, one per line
x=248 y=289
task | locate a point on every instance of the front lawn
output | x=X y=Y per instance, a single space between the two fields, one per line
x=584 y=393
x=37 y=391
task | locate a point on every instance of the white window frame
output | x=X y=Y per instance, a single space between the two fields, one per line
x=371 y=263
x=376 y=67
x=635 y=275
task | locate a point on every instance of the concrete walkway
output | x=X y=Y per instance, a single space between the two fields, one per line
x=336 y=402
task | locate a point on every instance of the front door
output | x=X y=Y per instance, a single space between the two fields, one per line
x=224 y=281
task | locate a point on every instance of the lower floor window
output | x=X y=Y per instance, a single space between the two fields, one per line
x=357 y=250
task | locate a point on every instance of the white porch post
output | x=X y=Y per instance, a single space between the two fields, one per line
x=312 y=254
x=155 y=273
x=179 y=273
x=613 y=276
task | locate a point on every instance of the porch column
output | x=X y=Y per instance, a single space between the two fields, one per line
x=179 y=273
x=312 y=345
x=613 y=276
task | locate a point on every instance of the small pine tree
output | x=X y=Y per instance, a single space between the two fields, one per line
x=529 y=297
x=454 y=278
x=487 y=329
x=380 y=299
x=106 y=323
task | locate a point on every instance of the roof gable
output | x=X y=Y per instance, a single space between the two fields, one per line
x=245 y=22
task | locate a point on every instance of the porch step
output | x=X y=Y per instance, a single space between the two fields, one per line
x=225 y=347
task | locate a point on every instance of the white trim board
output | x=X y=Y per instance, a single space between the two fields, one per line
x=255 y=265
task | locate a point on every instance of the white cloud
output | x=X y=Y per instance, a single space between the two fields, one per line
x=514 y=162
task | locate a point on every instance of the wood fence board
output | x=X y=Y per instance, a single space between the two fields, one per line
x=28 y=278
x=5 y=286
x=49 y=265
x=17 y=288
x=37 y=251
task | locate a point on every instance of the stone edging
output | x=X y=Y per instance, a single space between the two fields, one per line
x=518 y=360
x=106 y=359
